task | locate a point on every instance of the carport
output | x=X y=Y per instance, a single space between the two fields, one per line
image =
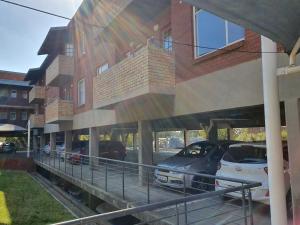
x=278 y=21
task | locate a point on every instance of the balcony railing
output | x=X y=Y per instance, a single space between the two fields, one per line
x=150 y=70
x=59 y=111
x=60 y=71
x=37 y=94
x=37 y=120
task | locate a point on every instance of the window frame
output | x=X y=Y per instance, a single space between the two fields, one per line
x=11 y=92
x=25 y=95
x=69 y=49
x=10 y=116
x=23 y=113
x=167 y=33
x=81 y=100
x=5 y=117
x=196 y=56
x=101 y=66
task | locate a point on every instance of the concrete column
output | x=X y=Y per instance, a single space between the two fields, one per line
x=292 y=114
x=185 y=137
x=273 y=133
x=42 y=140
x=52 y=142
x=213 y=134
x=156 y=149
x=145 y=152
x=35 y=145
x=93 y=144
x=68 y=141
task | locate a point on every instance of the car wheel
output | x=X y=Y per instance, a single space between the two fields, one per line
x=289 y=204
x=203 y=184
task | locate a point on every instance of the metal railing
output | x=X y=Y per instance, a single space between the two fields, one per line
x=166 y=189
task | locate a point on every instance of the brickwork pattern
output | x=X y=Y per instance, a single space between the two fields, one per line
x=150 y=69
x=59 y=110
x=37 y=92
x=62 y=65
x=37 y=121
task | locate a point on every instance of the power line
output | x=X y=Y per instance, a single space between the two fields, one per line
x=173 y=42
x=35 y=9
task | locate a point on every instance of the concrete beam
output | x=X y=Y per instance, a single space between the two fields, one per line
x=292 y=113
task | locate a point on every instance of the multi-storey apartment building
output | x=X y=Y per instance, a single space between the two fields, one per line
x=148 y=66
x=14 y=106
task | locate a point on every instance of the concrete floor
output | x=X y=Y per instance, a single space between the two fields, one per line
x=207 y=211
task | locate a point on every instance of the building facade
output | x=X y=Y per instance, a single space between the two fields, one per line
x=14 y=106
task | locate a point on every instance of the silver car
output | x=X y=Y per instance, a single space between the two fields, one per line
x=200 y=157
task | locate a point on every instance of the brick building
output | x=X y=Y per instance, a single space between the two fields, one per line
x=146 y=66
x=14 y=106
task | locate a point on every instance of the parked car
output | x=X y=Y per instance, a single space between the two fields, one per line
x=60 y=150
x=8 y=148
x=79 y=156
x=248 y=161
x=199 y=157
x=112 y=150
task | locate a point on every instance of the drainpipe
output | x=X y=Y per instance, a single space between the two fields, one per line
x=273 y=134
x=28 y=139
x=294 y=53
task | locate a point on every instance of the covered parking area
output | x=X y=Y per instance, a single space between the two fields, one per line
x=278 y=22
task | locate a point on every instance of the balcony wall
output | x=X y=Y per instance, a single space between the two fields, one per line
x=37 y=120
x=59 y=111
x=150 y=71
x=60 y=71
x=37 y=94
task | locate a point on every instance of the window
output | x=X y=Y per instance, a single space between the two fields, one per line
x=167 y=41
x=214 y=32
x=24 y=94
x=69 y=49
x=3 y=115
x=12 y=115
x=81 y=92
x=13 y=93
x=24 y=116
x=102 y=68
x=196 y=150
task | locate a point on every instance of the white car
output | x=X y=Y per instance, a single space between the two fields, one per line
x=248 y=161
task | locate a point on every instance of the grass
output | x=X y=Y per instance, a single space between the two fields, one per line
x=25 y=202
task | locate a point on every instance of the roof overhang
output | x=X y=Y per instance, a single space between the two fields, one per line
x=11 y=128
x=276 y=19
x=53 y=40
x=33 y=75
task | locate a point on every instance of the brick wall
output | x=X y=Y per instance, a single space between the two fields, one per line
x=58 y=110
x=7 y=75
x=37 y=92
x=151 y=69
x=37 y=120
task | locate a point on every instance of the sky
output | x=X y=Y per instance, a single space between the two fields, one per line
x=22 y=31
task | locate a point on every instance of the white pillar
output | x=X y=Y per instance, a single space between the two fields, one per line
x=273 y=133
x=28 y=138
x=292 y=114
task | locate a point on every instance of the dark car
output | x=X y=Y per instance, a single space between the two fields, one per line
x=8 y=148
x=200 y=157
x=112 y=150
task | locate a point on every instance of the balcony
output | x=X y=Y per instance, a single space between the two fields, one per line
x=59 y=111
x=37 y=120
x=149 y=73
x=37 y=94
x=60 y=71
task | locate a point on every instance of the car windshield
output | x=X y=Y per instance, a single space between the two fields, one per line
x=196 y=150
x=246 y=154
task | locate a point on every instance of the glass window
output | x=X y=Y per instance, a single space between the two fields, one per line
x=69 y=49
x=24 y=116
x=24 y=94
x=214 y=32
x=168 y=41
x=246 y=154
x=3 y=115
x=12 y=115
x=13 y=93
x=196 y=150
x=81 y=92
x=102 y=68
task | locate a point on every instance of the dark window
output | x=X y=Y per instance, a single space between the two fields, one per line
x=246 y=154
x=196 y=150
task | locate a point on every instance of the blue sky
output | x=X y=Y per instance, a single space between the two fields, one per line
x=22 y=31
